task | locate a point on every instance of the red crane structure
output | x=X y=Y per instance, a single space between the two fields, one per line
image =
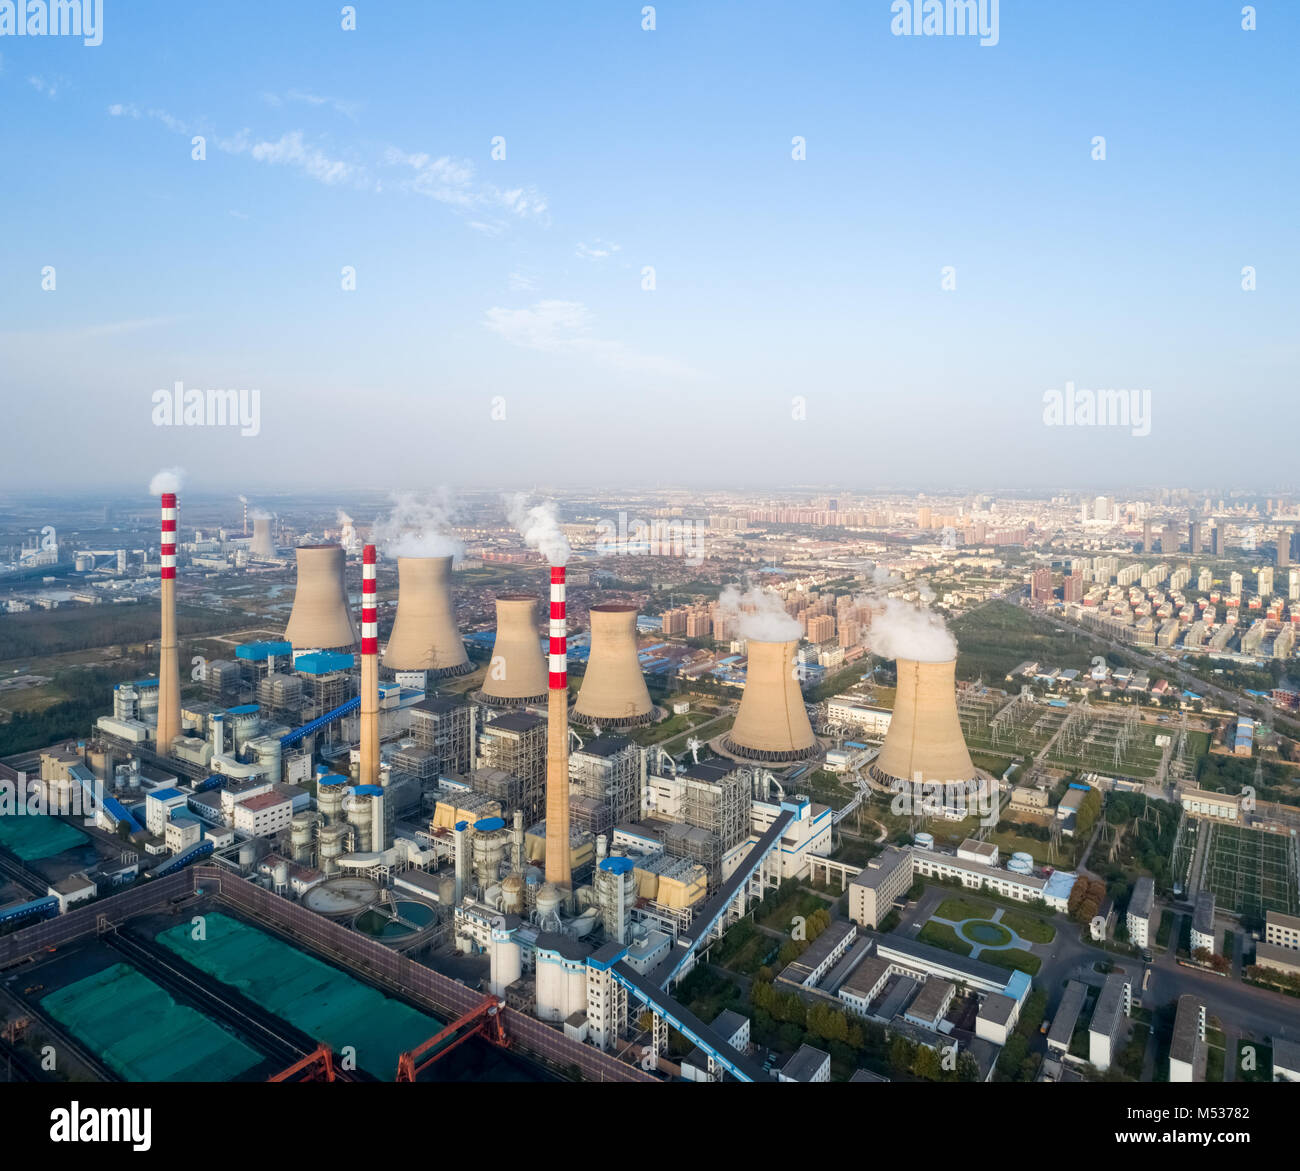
x=486 y=1020
x=317 y=1066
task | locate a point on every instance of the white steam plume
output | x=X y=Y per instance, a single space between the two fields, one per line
x=167 y=480
x=901 y=630
x=760 y=614
x=418 y=526
x=540 y=527
x=243 y=499
x=258 y=514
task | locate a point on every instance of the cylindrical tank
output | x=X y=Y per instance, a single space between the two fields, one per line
x=549 y=901
x=512 y=894
x=302 y=835
x=330 y=791
x=333 y=842
x=506 y=960
x=925 y=841
x=424 y=636
x=280 y=877
x=491 y=844
x=321 y=617
x=360 y=813
x=613 y=691
x=247 y=856
x=516 y=674
x=772 y=722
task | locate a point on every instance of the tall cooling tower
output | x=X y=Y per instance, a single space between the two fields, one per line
x=613 y=692
x=772 y=723
x=424 y=635
x=262 y=546
x=320 y=617
x=924 y=739
x=169 y=678
x=516 y=674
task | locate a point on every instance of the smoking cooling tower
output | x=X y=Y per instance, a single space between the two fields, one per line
x=320 y=617
x=424 y=635
x=262 y=546
x=516 y=674
x=613 y=692
x=924 y=741
x=772 y=723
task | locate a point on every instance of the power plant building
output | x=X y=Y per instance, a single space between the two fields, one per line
x=516 y=743
x=608 y=770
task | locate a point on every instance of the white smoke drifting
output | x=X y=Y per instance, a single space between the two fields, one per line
x=760 y=615
x=243 y=499
x=167 y=480
x=258 y=514
x=347 y=532
x=540 y=527
x=418 y=526
x=900 y=630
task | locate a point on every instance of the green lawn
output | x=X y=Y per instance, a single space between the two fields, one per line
x=1029 y=927
x=1013 y=959
x=958 y=909
x=941 y=935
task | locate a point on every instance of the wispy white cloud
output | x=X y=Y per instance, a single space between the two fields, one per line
x=454 y=182
x=338 y=105
x=598 y=250
x=521 y=282
x=565 y=328
x=49 y=86
x=120 y=110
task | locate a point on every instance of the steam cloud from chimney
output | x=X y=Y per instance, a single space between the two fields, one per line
x=540 y=527
x=901 y=630
x=167 y=480
x=760 y=614
x=418 y=526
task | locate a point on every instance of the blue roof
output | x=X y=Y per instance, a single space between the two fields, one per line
x=488 y=824
x=368 y=791
x=1085 y=788
x=462 y=825
x=618 y=865
x=323 y=662
x=262 y=650
x=166 y=794
x=1018 y=985
x=244 y=709
x=332 y=779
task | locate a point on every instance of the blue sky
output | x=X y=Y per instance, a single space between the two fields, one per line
x=521 y=279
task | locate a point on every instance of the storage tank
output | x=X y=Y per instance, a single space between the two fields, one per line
x=491 y=849
x=1021 y=863
x=280 y=877
x=302 y=836
x=330 y=792
x=333 y=843
x=925 y=841
x=247 y=856
x=512 y=894
x=506 y=960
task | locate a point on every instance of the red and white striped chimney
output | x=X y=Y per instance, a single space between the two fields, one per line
x=558 y=869
x=369 y=773
x=169 y=675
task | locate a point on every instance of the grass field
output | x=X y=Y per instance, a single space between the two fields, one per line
x=1013 y=958
x=958 y=909
x=1249 y=871
x=1029 y=927
x=941 y=935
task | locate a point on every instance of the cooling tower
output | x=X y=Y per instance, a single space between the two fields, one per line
x=424 y=635
x=613 y=692
x=169 y=676
x=772 y=723
x=559 y=873
x=320 y=616
x=261 y=546
x=516 y=674
x=924 y=741
x=369 y=772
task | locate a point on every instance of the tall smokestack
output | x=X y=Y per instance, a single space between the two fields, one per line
x=169 y=674
x=613 y=692
x=320 y=615
x=369 y=671
x=772 y=723
x=245 y=503
x=424 y=636
x=262 y=545
x=516 y=675
x=558 y=871
x=924 y=742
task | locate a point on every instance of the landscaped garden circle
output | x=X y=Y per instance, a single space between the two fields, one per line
x=985 y=933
